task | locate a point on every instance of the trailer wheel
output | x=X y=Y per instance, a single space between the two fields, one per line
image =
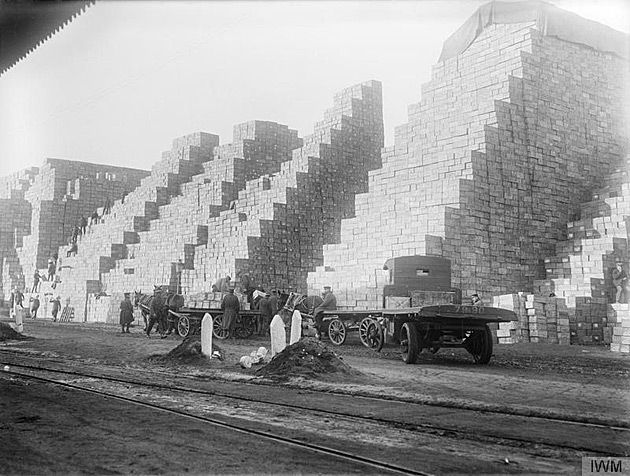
x=217 y=328
x=371 y=334
x=337 y=331
x=409 y=342
x=183 y=326
x=479 y=345
x=244 y=328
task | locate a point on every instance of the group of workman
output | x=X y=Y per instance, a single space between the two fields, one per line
x=82 y=225
x=267 y=303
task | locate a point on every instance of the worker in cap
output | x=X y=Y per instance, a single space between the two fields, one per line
x=230 y=306
x=126 y=314
x=56 y=302
x=329 y=303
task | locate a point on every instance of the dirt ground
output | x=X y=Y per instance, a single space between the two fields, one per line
x=578 y=383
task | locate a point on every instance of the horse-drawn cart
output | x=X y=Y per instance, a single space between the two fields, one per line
x=188 y=321
x=417 y=328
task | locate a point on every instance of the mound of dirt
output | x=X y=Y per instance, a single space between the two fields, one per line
x=188 y=351
x=306 y=358
x=7 y=333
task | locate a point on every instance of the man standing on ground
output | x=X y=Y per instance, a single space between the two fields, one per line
x=126 y=314
x=56 y=302
x=230 y=307
x=34 y=306
x=16 y=300
x=273 y=301
x=266 y=314
x=329 y=303
x=156 y=314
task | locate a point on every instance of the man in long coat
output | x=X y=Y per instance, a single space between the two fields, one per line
x=34 y=306
x=156 y=314
x=126 y=313
x=266 y=314
x=230 y=307
x=56 y=302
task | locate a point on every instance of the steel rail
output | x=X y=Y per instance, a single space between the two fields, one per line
x=476 y=433
x=441 y=404
x=381 y=465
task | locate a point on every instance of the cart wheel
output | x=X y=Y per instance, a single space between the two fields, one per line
x=183 y=326
x=479 y=345
x=245 y=328
x=371 y=334
x=409 y=342
x=336 y=332
x=217 y=328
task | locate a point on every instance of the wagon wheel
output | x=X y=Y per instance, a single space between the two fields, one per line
x=245 y=328
x=371 y=334
x=217 y=328
x=479 y=345
x=409 y=342
x=183 y=326
x=337 y=331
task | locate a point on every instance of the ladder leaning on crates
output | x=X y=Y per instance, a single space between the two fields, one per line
x=67 y=315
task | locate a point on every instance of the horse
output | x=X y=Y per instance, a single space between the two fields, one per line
x=172 y=302
x=303 y=303
x=143 y=302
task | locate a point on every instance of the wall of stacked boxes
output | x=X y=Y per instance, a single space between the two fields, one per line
x=42 y=205
x=498 y=162
x=513 y=166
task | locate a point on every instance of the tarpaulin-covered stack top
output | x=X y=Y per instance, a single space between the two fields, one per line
x=550 y=20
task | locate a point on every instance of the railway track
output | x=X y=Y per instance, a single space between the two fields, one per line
x=533 y=431
x=324 y=450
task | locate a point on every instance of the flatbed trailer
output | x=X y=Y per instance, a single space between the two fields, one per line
x=189 y=322
x=416 y=328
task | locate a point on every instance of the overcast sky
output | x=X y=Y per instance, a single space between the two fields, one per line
x=125 y=78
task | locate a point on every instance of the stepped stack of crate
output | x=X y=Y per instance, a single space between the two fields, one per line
x=277 y=227
x=509 y=135
x=107 y=241
x=53 y=198
x=515 y=331
x=581 y=270
x=259 y=147
x=15 y=220
x=540 y=319
x=619 y=325
x=15 y=185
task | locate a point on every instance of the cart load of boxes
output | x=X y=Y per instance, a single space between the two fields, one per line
x=512 y=165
